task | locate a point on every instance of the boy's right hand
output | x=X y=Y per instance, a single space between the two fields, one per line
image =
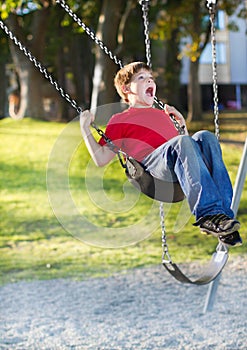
x=86 y=118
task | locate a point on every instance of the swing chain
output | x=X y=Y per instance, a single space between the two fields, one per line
x=166 y=258
x=144 y=4
x=40 y=67
x=89 y=32
x=211 y=4
x=212 y=15
x=109 y=143
x=180 y=129
x=145 y=8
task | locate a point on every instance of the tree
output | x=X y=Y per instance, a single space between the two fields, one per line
x=189 y=19
x=31 y=32
x=32 y=23
x=77 y=50
x=104 y=70
x=4 y=58
x=166 y=31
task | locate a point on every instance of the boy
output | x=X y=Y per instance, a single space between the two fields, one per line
x=148 y=135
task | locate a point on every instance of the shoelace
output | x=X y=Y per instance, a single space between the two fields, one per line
x=215 y=219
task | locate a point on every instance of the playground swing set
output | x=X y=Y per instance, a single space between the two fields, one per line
x=157 y=189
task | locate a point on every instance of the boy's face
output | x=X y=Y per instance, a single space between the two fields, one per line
x=141 y=89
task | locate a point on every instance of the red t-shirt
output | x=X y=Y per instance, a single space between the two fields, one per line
x=139 y=131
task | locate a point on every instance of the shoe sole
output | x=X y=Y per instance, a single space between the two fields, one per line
x=236 y=244
x=232 y=240
x=236 y=227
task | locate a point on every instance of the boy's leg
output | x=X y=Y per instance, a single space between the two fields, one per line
x=195 y=178
x=182 y=156
x=212 y=156
x=181 y=159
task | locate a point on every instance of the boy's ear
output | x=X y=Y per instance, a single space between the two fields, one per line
x=125 y=89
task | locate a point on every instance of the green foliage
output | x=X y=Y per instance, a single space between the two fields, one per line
x=190 y=19
x=35 y=246
x=183 y=17
x=20 y=7
x=88 y=11
x=7 y=7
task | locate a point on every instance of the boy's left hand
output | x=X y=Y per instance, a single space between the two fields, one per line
x=179 y=117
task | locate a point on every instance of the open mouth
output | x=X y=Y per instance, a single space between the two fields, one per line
x=150 y=91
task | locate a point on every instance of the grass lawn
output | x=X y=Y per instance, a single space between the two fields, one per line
x=96 y=209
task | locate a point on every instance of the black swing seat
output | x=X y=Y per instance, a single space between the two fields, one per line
x=211 y=271
x=163 y=191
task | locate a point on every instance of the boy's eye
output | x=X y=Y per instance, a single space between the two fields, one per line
x=143 y=77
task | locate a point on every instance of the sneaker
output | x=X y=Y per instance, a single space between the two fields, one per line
x=217 y=225
x=232 y=239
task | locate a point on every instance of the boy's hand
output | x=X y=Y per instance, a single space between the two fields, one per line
x=101 y=155
x=175 y=112
x=179 y=117
x=86 y=118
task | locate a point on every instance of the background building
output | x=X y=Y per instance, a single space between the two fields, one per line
x=231 y=50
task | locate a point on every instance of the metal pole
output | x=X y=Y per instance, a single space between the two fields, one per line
x=239 y=184
x=238 y=97
x=238 y=189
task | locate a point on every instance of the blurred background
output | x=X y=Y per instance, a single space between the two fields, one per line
x=33 y=116
x=180 y=48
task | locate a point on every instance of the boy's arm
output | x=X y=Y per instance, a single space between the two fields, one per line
x=101 y=155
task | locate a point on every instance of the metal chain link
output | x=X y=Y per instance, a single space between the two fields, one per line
x=212 y=11
x=109 y=142
x=49 y=77
x=73 y=103
x=210 y=4
x=40 y=67
x=166 y=258
x=145 y=8
x=89 y=32
x=212 y=14
x=180 y=129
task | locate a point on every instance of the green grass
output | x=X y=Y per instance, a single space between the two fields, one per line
x=33 y=244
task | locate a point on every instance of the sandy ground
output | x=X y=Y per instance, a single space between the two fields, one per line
x=142 y=309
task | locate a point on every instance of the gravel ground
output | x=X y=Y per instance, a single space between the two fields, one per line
x=142 y=309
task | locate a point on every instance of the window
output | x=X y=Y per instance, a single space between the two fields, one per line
x=220 y=20
x=206 y=56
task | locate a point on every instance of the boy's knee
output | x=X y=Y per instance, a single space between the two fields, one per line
x=185 y=139
x=184 y=142
x=204 y=135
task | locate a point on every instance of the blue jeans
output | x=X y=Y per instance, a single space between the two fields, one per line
x=196 y=163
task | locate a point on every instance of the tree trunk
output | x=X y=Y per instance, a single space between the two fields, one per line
x=30 y=79
x=172 y=70
x=194 y=93
x=105 y=69
x=194 y=88
x=82 y=67
x=3 y=88
x=17 y=109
